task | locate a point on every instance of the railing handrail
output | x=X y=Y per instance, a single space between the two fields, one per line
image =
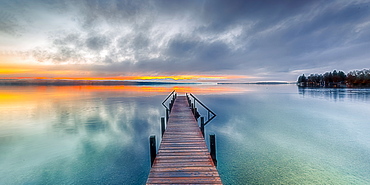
x=167 y=99
x=205 y=107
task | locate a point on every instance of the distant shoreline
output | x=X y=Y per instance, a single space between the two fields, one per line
x=336 y=79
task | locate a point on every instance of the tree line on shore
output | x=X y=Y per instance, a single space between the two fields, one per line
x=357 y=78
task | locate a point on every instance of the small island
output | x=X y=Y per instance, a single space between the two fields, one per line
x=336 y=79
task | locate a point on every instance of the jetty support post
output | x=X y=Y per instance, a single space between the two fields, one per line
x=202 y=125
x=171 y=103
x=167 y=114
x=212 y=142
x=194 y=109
x=163 y=125
x=153 y=149
x=189 y=101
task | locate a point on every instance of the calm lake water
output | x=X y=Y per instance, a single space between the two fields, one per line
x=266 y=134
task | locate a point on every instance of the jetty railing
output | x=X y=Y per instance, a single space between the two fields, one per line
x=173 y=94
x=210 y=114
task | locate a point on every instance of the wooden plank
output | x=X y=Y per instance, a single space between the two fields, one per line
x=177 y=159
x=183 y=153
x=183 y=174
x=183 y=164
x=183 y=156
x=184 y=169
x=185 y=180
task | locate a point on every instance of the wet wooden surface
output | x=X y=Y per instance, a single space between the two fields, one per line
x=183 y=156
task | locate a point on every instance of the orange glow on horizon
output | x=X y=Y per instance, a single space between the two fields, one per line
x=9 y=69
x=12 y=67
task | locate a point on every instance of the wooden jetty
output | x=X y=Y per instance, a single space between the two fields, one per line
x=183 y=156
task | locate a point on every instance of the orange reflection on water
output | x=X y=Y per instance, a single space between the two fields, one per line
x=24 y=95
x=21 y=95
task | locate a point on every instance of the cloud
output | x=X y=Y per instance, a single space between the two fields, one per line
x=97 y=42
x=9 y=22
x=237 y=36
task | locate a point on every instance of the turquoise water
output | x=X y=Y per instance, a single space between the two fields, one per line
x=266 y=134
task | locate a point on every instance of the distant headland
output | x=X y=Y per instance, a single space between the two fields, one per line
x=336 y=79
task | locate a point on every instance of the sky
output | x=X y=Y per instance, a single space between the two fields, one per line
x=240 y=40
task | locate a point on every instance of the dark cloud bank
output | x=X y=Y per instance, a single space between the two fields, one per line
x=273 y=39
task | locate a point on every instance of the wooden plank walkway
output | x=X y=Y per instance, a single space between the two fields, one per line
x=183 y=156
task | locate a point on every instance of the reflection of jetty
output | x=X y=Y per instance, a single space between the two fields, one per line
x=183 y=157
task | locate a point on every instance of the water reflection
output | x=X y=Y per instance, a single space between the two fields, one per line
x=82 y=134
x=336 y=93
x=270 y=137
x=265 y=134
x=81 y=139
